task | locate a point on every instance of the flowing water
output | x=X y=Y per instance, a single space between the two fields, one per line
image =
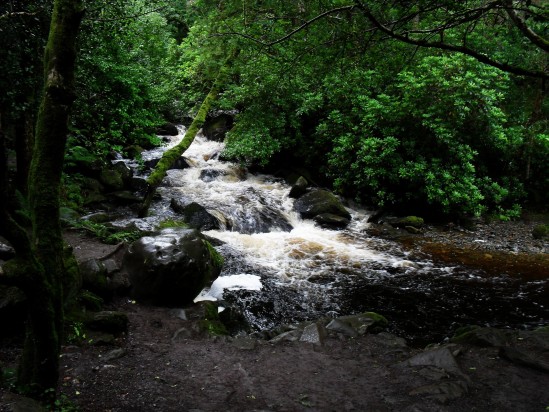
x=297 y=271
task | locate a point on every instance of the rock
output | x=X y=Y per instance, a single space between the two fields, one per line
x=114 y=354
x=112 y=179
x=125 y=197
x=413 y=230
x=17 y=403
x=66 y=215
x=139 y=183
x=209 y=175
x=217 y=126
x=314 y=333
x=540 y=232
x=133 y=151
x=180 y=163
x=195 y=215
x=441 y=358
x=289 y=336
x=167 y=129
x=339 y=326
x=364 y=322
x=320 y=201
x=244 y=343
x=108 y=321
x=170 y=268
x=408 y=221
x=123 y=170
x=98 y=217
x=94 y=277
x=6 y=251
x=331 y=221
x=299 y=188
x=478 y=336
x=523 y=358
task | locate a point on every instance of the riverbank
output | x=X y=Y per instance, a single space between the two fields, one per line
x=164 y=362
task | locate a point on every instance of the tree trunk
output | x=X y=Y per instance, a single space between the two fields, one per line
x=170 y=156
x=38 y=268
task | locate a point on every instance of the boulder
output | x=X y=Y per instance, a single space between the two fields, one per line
x=195 y=215
x=167 y=129
x=209 y=175
x=112 y=179
x=108 y=321
x=408 y=222
x=331 y=221
x=540 y=232
x=170 y=268
x=318 y=202
x=299 y=188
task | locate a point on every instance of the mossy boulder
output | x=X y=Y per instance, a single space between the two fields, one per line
x=408 y=222
x=541 y=232
x=318 y=202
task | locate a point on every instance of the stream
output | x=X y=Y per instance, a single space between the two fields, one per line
x=287 y=270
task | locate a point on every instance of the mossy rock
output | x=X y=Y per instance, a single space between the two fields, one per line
x=211 y=322
x=541 y=232
x=108 y=321
x=408 y=221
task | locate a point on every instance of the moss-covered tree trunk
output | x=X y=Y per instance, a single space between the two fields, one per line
x=38 y=268
x=170 y=156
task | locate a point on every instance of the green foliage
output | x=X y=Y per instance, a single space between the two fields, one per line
x=168 y=223
x=121 y=71
x=108 y=234
x=215 y=255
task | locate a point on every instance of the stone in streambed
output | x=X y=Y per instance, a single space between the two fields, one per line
x=171 y=268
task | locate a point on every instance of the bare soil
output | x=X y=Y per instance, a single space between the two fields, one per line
x=166 y=363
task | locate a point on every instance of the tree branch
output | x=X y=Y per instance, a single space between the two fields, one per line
x=450 y=47
x=523 y=27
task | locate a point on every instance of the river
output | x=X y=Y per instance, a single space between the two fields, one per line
x=291 y=270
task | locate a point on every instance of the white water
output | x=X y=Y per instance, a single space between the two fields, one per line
x=244 y=202
x=296 y=270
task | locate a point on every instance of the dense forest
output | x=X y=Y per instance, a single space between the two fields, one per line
x=420 y=105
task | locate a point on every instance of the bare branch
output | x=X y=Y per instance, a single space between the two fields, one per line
x=16 y=13
x=450 y=47
x=523 y=27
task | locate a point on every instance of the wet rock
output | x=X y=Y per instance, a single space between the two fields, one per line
x=133 y=151
x=299 y=188
x=195 y=215
x=314 y=333
x=171 y=268
x=209 y=175
x=125 y=197
x=6 y=251
x=167 y=129
x=320 y=201
x=112 y=179
x=331 y=221
x=180 y=163
x=139 y=183
x=123 y=170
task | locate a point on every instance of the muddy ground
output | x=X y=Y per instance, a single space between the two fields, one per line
x=165 y=363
